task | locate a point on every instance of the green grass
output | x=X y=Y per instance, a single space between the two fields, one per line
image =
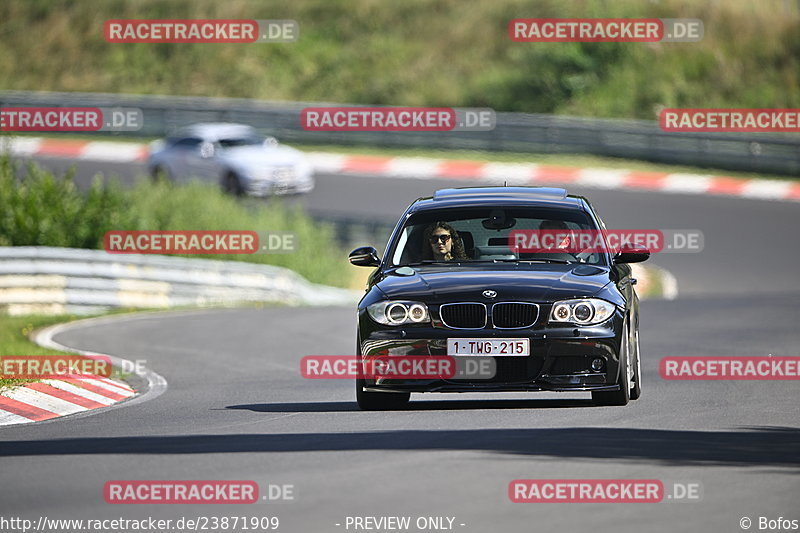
x=14 y=339
x=46 y=210
x=417 y=52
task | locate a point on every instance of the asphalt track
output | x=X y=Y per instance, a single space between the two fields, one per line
x=237 y=407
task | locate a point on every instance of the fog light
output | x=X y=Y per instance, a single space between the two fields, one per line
x=597 y=364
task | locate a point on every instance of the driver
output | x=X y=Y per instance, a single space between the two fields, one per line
x=563 y=240
x=442 y=243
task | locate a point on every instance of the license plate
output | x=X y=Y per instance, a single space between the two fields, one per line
x=489 y=347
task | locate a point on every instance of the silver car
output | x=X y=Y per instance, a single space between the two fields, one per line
x=234 y=155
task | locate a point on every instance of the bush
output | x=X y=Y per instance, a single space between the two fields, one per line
x=40 y=209
x=418 y=52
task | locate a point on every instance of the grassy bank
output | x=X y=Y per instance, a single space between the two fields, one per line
x=47 y=210
x=419 y=52
x=14 y=339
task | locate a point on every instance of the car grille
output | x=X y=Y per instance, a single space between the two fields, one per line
x=505 y=315
x=514 y=315
x=512 y=370
x=517 y=369
x=464 y=315
x=569 y=365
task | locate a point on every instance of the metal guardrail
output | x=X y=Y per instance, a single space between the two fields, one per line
x=37 y=279
x=528 y=133
x=352 y=232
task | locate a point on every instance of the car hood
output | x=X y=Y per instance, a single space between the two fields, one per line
x=260 y=156
x=540 y=282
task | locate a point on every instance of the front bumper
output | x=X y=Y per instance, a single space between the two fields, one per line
x=263 y=188
x=560 y=358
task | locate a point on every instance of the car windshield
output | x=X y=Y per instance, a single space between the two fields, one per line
x=495 y=235
x=235 y=142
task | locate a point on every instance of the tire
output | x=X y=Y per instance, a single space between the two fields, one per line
x=636 y=390
x=621 y=396
x=380 y=401
x=160 y=174
x=232 y=185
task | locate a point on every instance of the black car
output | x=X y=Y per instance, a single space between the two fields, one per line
x=452 y=284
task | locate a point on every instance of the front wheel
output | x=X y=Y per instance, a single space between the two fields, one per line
x=636 y=390
x=623 y=395
x=231 y=184
x=160 y=174
x=380 y=401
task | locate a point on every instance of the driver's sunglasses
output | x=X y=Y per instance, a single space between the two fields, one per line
x=436 y=238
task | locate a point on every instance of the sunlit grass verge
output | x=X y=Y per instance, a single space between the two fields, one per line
x=41 y=209
x=419 y=53
x=14 y=332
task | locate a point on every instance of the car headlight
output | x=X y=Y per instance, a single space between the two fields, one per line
x=397 y=313
x=584 y=311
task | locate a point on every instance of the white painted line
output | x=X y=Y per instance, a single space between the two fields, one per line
x=44 y=401
x=24 y=146
x=513 y=173
x=767 y=189
x=7 y=418
x=156 y=384
x=106 y=386
x=116 y=383
x=602 y=178
x=112 y=151
x=323 y=162
x=412 y=167
x=687 y=183
x=80 y=391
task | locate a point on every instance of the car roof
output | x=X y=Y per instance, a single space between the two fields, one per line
x=499 y=196
x=214 y=131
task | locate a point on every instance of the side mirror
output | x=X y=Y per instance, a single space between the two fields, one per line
x=366 y=256
x=635 y=254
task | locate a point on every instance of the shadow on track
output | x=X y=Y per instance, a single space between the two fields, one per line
x=437 y=405
x=761 y=446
